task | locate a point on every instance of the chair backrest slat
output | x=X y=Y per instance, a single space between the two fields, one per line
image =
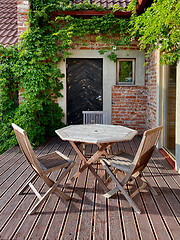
x=26 y=148
x=144 y=152
x=146 y=148
x=94 y=117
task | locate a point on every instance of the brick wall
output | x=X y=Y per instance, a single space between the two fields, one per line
x=22 y=9
x=129 y=107
x=92 y=44
x=135 y=106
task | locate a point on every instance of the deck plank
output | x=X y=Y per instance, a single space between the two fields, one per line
x=19 y=207
x=43 y=213
x=115 y=221
x=100 y=218
x=87 y=209
x=62 y=209
x=141 y=221
x=155 y=219
x=88 y=215
x=72 y=220
x=9 y=157
x=161 y=200
x=26 y=229
x=125 y=208
x=7 y=153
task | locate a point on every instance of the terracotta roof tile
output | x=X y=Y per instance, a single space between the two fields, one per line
x=8 y=22
x=107 y=3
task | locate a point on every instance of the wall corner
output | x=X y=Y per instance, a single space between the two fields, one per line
x=22 y=15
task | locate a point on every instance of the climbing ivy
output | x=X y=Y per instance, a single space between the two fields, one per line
x=8 y=94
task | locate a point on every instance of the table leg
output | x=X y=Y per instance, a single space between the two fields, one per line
x=88 y=164
x=105 y=152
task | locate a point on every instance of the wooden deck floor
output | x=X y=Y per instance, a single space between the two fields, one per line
x=88 y=215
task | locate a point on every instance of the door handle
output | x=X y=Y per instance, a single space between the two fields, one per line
x=99 y=98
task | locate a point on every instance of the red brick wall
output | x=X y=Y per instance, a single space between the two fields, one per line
x=129 y=107
x=135 y=106
x=22 y=8
x=92 y=44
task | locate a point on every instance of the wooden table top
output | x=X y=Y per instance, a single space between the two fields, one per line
x=96 y=133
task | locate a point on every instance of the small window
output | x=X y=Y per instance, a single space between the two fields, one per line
x=126 y=71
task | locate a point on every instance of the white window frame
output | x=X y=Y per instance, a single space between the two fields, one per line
x=133 y=60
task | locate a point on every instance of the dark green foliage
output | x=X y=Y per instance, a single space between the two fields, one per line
x=40 y=78
x=8 y=95
x=33 y=68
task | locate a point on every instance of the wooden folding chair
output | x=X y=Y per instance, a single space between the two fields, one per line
x=42 y=166
x=132 y=167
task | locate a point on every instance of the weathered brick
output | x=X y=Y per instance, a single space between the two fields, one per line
x=22 y=10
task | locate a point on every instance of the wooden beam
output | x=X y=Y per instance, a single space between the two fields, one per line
x=90 y=13
x=141 y=4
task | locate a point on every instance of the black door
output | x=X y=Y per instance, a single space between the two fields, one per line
x=84 y=80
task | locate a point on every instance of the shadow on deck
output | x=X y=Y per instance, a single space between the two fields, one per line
x=88 y=215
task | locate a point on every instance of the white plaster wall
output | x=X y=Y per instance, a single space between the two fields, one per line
x=159 y=98
x=109 y=74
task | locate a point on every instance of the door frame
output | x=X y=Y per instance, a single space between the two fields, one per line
x=165 y=78
x=109 y=68
x=101 y=83
x=161 y=88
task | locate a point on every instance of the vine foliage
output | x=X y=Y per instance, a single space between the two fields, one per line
x=8 y=95
x=159 y=28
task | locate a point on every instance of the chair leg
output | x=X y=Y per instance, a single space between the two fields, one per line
x=41 y=200
x=119 y=186
x=52 y=188
x=148 y=184
x=109 y=179
x=27 y=184
x=109 y=150
x=111 y=192
x=138 y=190
x=61 y=194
